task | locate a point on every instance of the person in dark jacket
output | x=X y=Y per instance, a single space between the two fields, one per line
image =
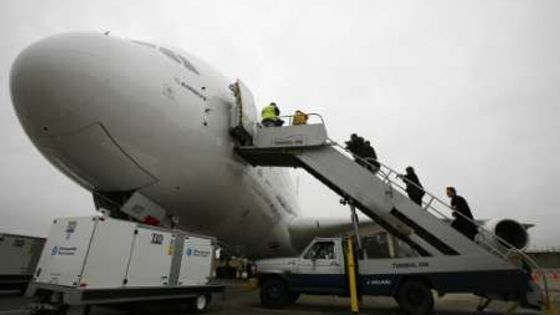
x=363 y=152
x=356 y=146
x=371 y=157
x=462 y=214
x=354 y=143
x=414 y=188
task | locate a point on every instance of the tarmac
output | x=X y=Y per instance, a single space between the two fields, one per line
x=239 y=299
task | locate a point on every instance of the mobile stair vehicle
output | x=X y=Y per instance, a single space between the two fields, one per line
x=100 y=261
x=446 y=261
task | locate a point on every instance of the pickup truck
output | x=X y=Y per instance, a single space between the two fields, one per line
x=321 y=269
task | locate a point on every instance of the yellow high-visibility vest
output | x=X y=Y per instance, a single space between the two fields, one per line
x=269 y=112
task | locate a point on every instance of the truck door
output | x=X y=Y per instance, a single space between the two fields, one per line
x=321 y=268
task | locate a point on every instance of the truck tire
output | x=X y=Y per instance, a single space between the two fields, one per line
x=199 y=304
x=274 y=294
x=294 y=296
x=415 y=298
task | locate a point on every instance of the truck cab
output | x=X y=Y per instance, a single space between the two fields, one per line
x=319 y=269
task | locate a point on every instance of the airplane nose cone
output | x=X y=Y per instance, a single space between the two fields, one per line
x=66 y=91
x=50 y=85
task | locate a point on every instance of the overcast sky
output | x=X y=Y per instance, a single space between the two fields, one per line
x=467 y=92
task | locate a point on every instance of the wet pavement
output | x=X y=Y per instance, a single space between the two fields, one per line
x=240 y=300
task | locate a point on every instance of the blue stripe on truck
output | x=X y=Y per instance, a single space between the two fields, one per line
x=510 y=284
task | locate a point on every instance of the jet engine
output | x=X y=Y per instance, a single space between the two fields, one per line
x=511 y=231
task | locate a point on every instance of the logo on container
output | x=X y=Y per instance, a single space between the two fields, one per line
x=197 y=252
x=70 y=228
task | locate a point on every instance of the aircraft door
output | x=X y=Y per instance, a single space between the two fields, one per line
x=216 y=114
x=244 y=118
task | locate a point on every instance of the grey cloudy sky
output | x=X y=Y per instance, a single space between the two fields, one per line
x=465 y=91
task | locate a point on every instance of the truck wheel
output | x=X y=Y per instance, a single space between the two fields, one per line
x=415 y=298
x=294 y=296
x=199 y=304
x=274 y=294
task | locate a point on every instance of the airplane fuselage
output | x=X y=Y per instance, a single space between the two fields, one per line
x=117 y=115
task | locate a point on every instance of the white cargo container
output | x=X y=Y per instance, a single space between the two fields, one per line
x=18 y=258
x=99 y=252
x=151 y=249
x=100 y=260
x=194 y=264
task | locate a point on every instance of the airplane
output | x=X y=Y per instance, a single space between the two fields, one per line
x=145 y=129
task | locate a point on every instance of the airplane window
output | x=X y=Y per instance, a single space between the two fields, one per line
x=188 y=65
x=144 y=44
x=321 y=250
x=169 y=54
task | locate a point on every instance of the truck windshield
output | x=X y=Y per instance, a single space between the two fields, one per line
x=321 y=250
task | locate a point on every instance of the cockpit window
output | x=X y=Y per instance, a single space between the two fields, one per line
x=170 y=54
x=144 y=44
x=188 y=65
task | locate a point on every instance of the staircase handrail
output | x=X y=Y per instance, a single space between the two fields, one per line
x=290 y=118
x=429 y=206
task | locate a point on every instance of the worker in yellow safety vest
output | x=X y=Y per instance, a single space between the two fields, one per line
x=300 y=118
x=270 y=116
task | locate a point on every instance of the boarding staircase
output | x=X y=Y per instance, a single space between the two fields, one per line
x=380 y=196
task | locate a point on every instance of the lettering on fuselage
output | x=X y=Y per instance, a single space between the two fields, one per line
x=169 y=92
x=191 y=89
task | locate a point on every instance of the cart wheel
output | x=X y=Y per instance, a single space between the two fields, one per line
x=77 y=310
x=60 y=310
x=200 y=303
x=274 y=293
x=415 y=298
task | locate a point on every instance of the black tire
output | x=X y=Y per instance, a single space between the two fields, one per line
x=199 y=304
x=274 y=294
x=79 y=309
x=415 y=298
x=60 y=310
x=294 y=296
